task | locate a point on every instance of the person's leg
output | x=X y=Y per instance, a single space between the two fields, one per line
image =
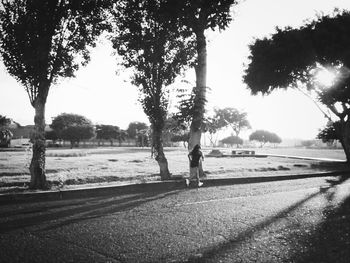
x=199 y=183
x=192 y=175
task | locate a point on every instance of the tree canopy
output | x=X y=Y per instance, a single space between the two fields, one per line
x=44 y=40
x=134 y=127
x=295 y=58
x=231 y=140
x=4 y=121
x=264 y=137
x=72 y=127
x=232 y=117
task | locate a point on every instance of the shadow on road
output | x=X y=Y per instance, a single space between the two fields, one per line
x=74 y=211
x=330 y=242
x=335 y=230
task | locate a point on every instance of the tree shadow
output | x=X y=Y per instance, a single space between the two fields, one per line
x=81 y=210
x=330 y=242
x=210 y=254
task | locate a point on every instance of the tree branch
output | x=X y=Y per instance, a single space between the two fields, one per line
x=318 y=106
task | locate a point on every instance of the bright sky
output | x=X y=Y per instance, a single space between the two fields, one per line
x=105 y=97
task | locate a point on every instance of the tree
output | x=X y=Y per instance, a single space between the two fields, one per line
x=121 y=136
x=147 y=42
x=181 y=137
x=300 y=58
x=307 y=143
x=212 y=126
x=134 y=127
x=5 y=134
x=40 y=42
x=108 y=132
x=263 y=137
x=231 y=140
x=73 y=128
x=232 y=117
x=5 y=138
x=4 y=122
x=196 y=17
x=51 y=135
x=328 y=134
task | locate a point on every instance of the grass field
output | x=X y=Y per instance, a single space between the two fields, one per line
x=67 y=168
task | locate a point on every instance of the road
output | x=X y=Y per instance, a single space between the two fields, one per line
x=304 y=220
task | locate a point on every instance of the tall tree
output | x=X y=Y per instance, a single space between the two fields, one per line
x=40 y=42
x=301 y=58
x=148 y=43
x=197 y=16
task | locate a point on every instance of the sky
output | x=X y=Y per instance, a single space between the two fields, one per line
x=102 y=91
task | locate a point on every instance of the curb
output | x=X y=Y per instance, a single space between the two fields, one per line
x=149 y=187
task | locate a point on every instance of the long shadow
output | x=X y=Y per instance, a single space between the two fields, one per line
x=330 y=242
x=210 y=254
x=42 y=207
x=85 y=210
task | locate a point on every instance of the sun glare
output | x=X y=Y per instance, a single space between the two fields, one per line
x=325 y=77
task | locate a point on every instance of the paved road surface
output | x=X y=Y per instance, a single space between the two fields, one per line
x=304 y=220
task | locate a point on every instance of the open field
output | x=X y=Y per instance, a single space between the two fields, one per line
x=67 y=168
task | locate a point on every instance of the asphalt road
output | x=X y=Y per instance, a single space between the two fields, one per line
x=306 y=220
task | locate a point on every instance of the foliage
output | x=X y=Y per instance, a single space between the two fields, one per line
x=294 y=57
x=190 y=105
x=41 y=39
x=51 y=135
x=232 y=117
x=307 y=143
x=181 y=137
x=75 y=134
x=263 y=137
x=231 y=140
x=107 y=132
x=5 y=138
x=134 y=127
x=72 y=127
x=4 y=121
x=202 y=14
x=154 y=48
x=329 y=134
x=143 y=138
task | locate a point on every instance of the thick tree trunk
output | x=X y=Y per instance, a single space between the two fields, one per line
x=157 y=143
x=37 y=165
x=344 y=135
x=200 y=97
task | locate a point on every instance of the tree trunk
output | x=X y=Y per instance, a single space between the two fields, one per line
x=157 y=144
x=200 y=91
x=344 y=135
x=37 y=165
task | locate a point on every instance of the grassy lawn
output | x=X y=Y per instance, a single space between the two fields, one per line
x=67 y=168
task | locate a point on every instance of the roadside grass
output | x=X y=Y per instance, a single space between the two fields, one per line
x=68 y=168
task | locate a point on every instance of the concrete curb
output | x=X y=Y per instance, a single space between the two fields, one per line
x=148 y=187
x=306 y=158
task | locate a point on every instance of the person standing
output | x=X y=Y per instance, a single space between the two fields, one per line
x=195 y=156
